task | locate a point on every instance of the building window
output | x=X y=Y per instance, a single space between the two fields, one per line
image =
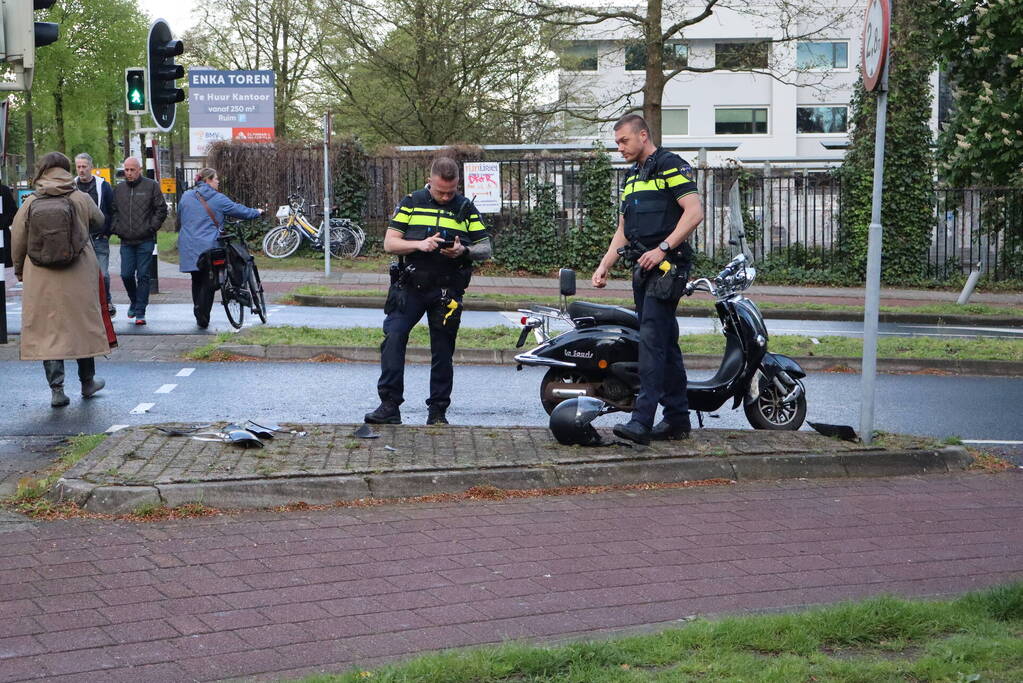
x=741 y=56
x=579 y=55
x=675 y=122
x=834 y=55
x=675 y=56
x=740 y=121
x=822 y=119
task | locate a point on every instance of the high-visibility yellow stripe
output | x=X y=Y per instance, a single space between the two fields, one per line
x=643 y=186
x=476 y=226
x=400 y=217
x=436 y=221
x=677 y=180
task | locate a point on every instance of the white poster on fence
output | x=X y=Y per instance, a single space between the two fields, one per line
x=483 y=185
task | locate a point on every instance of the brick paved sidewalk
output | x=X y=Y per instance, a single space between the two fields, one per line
x=287 y=593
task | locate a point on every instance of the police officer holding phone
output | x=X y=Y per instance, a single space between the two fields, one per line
x=660 y=208
x=438 y=236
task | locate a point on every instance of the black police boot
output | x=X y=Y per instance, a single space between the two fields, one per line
x=437 y=416
x=387 y=413
x=671 y=431
x=633 y=431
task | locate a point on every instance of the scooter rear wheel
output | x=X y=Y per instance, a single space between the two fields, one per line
x=768 y=411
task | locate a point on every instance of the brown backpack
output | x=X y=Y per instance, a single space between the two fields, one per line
x=54 y=239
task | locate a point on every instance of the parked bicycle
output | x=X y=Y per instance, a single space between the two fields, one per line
x=236 y=276
x=346 y=237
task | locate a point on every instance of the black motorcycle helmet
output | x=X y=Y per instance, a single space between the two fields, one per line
x=570 y=421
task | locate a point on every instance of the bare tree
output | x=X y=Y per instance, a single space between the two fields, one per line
x=418 y=72
x=659 y=22
x=280 y=35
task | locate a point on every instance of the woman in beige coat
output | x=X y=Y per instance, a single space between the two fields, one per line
x=61 y=317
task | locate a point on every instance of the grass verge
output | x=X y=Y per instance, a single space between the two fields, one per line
x=936 y=309
x=209 y=351
x=972 y=638
x=504 y=337
x=28 y=497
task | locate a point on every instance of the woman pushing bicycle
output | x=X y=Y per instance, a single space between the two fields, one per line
x=202 y=211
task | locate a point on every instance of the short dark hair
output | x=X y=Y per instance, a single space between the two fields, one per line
x=51 y=160
x=444 y=168
x=637 y=122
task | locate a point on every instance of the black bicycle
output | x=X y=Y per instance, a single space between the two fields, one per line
x=236 y=275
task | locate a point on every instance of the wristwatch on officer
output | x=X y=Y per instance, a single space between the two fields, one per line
x=664 y=246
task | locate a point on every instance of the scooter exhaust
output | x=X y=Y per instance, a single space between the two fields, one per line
x=569 y=393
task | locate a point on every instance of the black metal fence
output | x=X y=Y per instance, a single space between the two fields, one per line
x=787 y=214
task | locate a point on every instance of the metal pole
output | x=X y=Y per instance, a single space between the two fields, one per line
x=872 y=301
x=326 y=194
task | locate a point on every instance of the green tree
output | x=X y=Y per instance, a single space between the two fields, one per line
x=908 y=171
x=78 y=92
x=981 y=42
x=418 y=72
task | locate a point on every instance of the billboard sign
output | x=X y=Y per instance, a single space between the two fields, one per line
x=483 y=185
x=229 y=105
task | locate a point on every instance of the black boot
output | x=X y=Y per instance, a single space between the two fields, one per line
x=671 y=431
x=437 y=416
x=633 y=431
x=387 y=413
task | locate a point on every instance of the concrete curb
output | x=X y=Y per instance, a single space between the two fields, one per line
x=417 y=354
x=324 y=490
x=697 y=312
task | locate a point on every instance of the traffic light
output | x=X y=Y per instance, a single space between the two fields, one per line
x=135 y=90
x=164 y=94
x=21 y=35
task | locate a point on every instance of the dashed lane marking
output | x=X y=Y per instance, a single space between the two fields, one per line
x=116 y=428
x=166 y=388
x=141 y=408
x=185 y=372
x=994 y=442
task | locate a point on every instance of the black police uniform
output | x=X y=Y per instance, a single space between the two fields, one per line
x=651 y=211
x=429 y=283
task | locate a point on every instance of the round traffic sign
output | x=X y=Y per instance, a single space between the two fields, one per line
x=875 y=42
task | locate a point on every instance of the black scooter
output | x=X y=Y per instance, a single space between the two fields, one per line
x=599 y=355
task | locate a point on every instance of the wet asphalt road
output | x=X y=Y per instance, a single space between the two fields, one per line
x=940 y=406
x=177 y=319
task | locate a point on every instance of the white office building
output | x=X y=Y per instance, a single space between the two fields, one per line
x=794 y=110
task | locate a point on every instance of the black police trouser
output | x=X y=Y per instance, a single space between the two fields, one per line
x=54 y=370
x=662 y=374
x=203 y=291
x=397 y=326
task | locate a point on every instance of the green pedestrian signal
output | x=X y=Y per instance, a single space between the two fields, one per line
x=135 y=90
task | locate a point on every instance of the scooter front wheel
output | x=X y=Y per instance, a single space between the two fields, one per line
x=769 y=412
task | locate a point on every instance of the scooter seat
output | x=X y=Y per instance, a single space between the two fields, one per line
x=603 y=314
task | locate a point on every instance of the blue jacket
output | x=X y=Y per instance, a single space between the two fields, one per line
x=198 y=232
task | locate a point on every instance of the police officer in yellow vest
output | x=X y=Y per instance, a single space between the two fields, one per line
x=438 y=236
x=660 y=208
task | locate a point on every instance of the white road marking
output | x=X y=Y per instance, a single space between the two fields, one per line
x=116 y=428
x=994 y=442
x=166 y=388
x=185 y=372
x=141 y=408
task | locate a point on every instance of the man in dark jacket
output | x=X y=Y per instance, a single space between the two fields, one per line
x=139 y=211
x=102 y=195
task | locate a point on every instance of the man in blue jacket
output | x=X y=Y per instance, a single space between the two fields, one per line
x=103 y=195
x=202 y=211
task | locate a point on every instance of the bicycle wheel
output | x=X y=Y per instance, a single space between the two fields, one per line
x=256 y=288
x=343 y=242
x=281 y=242
x=232 y=305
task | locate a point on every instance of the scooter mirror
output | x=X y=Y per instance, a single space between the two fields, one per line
x=567 y=281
